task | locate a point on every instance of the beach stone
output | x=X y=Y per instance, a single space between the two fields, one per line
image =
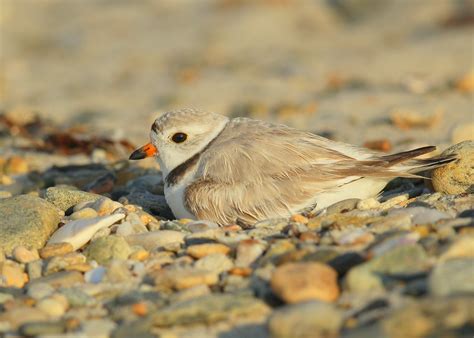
x=310 y=319
x=58 y=263
x=202 y=250
x=23 y=255
x=43 y=329
x=187 y=294
x=104 y=249
x=210 y=309
x=461 y=248
x=27 y=221
x=104 y=206
x=216 y=262
x=95 y=276
x=420 y=215
x=56 y=249
x=184 y=278
x=155 y=239
x=298 y=282
x=431 y=317
x=404 y=260
x=98 y=328
x=60 y=279
x=77 y=297
x=248 y=251
x=452 y=277
x=35 y=269
x=11 y=274
x=117 y=271
x=342 y=206
x=54 y=306
x=367 y=204
x=456 y=177
x=40 y=290
x=83 y=214
x=65 y=198
x=22 y=314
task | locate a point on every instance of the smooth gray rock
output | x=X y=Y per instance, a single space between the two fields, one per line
x=26 y=220
x=453 y=277
x=104 y=249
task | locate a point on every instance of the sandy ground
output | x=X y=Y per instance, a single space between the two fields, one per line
x=341 y=68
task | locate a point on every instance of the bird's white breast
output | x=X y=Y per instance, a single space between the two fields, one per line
x=175 y=197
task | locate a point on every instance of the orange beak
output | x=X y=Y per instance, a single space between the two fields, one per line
x=147 y=150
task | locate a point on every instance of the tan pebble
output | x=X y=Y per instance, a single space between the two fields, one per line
x=410 y=119
x=299 y=282
x=16 y=165
x=456 y=177
x=309 y=236
x=423 y=230
x=5 y=194
x=241 y=271
x=232 y=228
x=140 y=255
x=105 y=206
x=12 y=274
x=201 y=250
x=51 y=306
x=299 y=219
x=463 y=247
x=379 y=145
x=185 y=220
x=56 y=249
x=81 y=267
x=23 y=255
x=185 y=278
x=84 y=213
x=465 y=84
x=394 y=201
x=367 y=204
x=463 y=132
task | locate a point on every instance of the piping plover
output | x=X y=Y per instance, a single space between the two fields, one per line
x=230 y=170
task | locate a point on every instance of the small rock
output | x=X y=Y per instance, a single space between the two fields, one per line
x=117 y=271
x=79 y=232
x=34 y=269
x=40 y=290
x=155 y=239
x=369 y=203
x=98 y=328
x=421 y=215
x=77 y=297
x=58 y=263
x=105 y=206
x=343 y=206
x=12 y=274
x=105 y=249
x=201 y=225
x=56 y=249
x=23 y=255
x=209 y=309
x=462 y=248
x=456 y=177
x=297 y=282
x=453 y=277
x=60 y=279
x=27 y=221
x=22 y=314
x=95 y=276
x=248 y=251
x=53 y=306
x=64 y=198
x=184 y=278
x=311 y=319
x=83 y=214
x=297 y=218
x=43 y=329
x=202 y=250
x=217 y=263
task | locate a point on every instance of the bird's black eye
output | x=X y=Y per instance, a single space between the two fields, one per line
x=179 y=137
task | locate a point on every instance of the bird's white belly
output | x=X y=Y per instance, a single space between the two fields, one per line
x=175 y=198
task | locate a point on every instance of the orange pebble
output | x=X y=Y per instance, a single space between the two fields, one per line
x=140 y=309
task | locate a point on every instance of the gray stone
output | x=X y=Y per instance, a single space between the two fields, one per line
x=64 y=198
x=155 y=239
x=210 y=309
x=76 y=297
x=311 y=319
x=453 y=277
x=35 y=269
x=60 y=279
x=421 y=215
x=34 y=329
x=217 y=262
x=342 y=206
x=26 y=220
x=104 y=249
x=40 y=290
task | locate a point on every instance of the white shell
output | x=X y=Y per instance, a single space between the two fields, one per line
x=79 y=232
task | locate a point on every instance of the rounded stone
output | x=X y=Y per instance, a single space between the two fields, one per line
x=23 y=255
x=456 y=177
x=453 y=277
x=65 y=198
x=298 y=282
x=104 y=249
x=202 y=250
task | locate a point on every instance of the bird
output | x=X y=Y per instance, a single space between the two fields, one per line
x=243 y=170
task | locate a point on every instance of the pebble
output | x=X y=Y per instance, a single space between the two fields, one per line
x=210 y=309
x=17 y=316
x=421 y=215
x=83 y=214
x=343 y=206
x=310 y=319
x=34 y=269
x=26 y=221
x=453 y=277
x=456 y=177
x=298 y=282
x=11 y=274
x=23 y=255
x=184 y=278
x=105 y=249
x=56 y=249
x=367 y=204
x=248 y=251
x=53 y=306
x=216 y=262
x=461 y=248
x=118 y=271
x=201 y=250
x=95 y=276
x=60 y=279
x=104 y=206
x=40 y=290
x=156 y=239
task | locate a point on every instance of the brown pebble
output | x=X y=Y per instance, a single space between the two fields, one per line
x=379 y=145
x=201 y=250
x=241 y=271
x=13 y=274
x=299 y=282
x=140 y=309
x=56 y=249
x=309 y=236
x=297 y=218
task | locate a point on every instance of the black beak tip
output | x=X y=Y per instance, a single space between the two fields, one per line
x=137 y=155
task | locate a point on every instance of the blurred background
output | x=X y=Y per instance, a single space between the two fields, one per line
x=397 y=71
